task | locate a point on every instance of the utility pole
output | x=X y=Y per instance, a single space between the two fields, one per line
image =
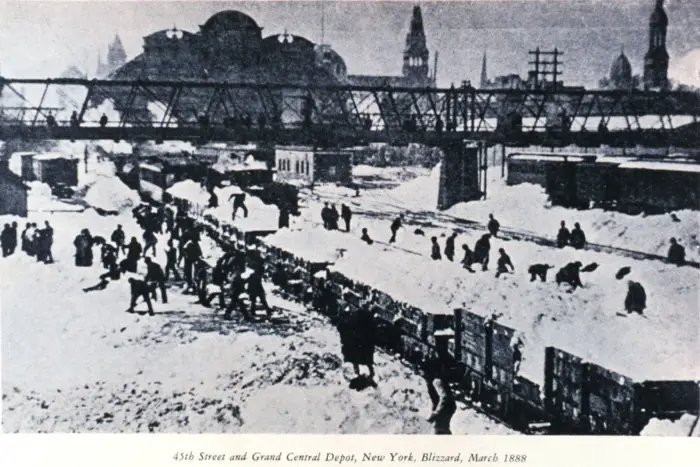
x=544 y=68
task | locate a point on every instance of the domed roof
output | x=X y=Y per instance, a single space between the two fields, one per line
x=621 y=70
x=658 y=16
x=286 y=42
x=230 y=19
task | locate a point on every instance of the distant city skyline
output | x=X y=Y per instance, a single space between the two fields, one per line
x=369 y=36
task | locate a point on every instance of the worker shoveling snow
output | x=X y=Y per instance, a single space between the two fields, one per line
x=109 y=194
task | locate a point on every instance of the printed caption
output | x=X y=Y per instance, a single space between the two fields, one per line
x=354 y=458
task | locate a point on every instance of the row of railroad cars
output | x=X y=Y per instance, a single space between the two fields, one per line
x=625 y=184
x=575 y=397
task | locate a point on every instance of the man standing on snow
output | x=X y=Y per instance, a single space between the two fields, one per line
x=357 y=330
x=578 y=238
x=13 y=238
x=435 y=251
x=133 y=254
x=156 y=278
x=256 y=291
x=6 y=240
x=48 y=242
x=395 y=226
x=365 y=236
x=441 y=396
x=346 y=214
x=334 y=216
x=118 y=238
x=563 y=236
x=191 y=252
x=326 y=216
x=468 y=259
x=493 y=226
x=676 y=253
x=450 y=246
x=236 y=303
x=238 y=202
x=150 y=240
x=171 y=261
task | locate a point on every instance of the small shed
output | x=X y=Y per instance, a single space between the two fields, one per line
x=56 y=168
x=307 y=166
x=27 y=169
x=13 y=193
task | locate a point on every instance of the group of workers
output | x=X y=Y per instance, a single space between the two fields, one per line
x=35 y=242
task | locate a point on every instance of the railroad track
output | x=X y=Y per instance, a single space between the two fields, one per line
x=377 y=208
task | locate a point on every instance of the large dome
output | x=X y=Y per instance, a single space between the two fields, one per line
x=229 y=20
x=621 y=70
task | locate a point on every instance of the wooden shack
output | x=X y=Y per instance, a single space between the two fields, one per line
x=307 y=166
x=54 y=169
x=13 y=193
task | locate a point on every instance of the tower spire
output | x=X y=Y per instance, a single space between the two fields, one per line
x=484 y=76
x=416 y=55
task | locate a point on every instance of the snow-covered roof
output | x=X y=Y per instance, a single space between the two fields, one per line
x=51 y=156
x=662 y=166
x=549 y=157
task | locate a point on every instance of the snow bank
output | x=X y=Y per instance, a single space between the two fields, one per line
x=191 y=191
x=526 y=207
x=110 y=194
x=585 y=322
x=261 y=216
x=229 y=163
x=680 y=427
x=418 y=194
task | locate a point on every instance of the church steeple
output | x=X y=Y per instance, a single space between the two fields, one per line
x=116 y=56
x=483 y=83
x=656 y=58
x=416 y=55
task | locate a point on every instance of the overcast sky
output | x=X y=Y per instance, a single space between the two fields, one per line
x=42 y=38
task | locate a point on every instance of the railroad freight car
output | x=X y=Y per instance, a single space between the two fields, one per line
x=658 y=186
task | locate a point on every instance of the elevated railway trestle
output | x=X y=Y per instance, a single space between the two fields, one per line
x=328 y=116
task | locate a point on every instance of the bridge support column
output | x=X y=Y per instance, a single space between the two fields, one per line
x=460 y=173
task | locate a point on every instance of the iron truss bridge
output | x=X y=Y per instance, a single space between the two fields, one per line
x=80 y=109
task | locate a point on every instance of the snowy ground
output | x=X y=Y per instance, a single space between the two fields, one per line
x=76 y=362
x=585 y=322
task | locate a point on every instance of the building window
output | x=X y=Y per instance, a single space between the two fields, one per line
x=296 y=166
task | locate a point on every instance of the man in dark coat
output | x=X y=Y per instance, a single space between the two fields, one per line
x=139 y=289
x=636 y=299
x=119 y=238
x=156 y=278
x=334 y=217
x=493 y=226
x=13 y=237
x=213 y=200
x=283 y=220
x=346 y=214
x=450 y=246
x=108 y=255
x=201 y=280
x=482 y=250
x=256 y=290
x=47 y=242
x=504 y=263
x=578 y=238
x=238 y=203
x=569 y=274
x=676 y=253
x=538 y=270
x=441 y=396
x=563 y=236
x=395 y=226
x=6 y=240
x=26 y=247
x=326 y=216
x=435 y=250
x=365 y=237
x=357 y=330
x=236 y=303
x=150 y=241
x=83 y=249
x=468 y=259
x=133 y=254
x=191 y=252
x=171 y=261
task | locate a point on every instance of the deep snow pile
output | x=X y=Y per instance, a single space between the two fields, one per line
x=680 y=427
x=112 y=195
x=584 y=322
x=191 y=191
x=526 y=207
x=89 y=366
x=261 y=216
